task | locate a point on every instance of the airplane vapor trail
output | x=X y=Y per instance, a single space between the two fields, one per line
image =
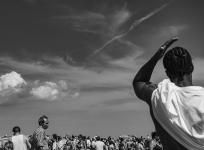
x=133 y=25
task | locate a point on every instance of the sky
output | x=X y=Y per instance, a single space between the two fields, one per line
x=74 y=61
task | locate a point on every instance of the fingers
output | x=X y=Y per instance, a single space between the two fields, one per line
x=166 y=45
x=169 y=42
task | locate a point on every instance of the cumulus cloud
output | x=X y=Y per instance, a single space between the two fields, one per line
x=47 y=91
x=52 y=91
x=11 y=83
x=118 y=18
x=14 y=89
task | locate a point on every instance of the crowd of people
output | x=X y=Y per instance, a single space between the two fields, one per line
x=40 y=141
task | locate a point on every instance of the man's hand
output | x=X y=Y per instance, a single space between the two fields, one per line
x=162 y=50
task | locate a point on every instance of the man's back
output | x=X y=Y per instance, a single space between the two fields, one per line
x=178 y=67
x=19 y=142
x=99 y=145
x=168 y=142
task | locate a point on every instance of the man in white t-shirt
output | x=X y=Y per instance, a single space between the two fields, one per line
x=20 y=141
x=98 y=144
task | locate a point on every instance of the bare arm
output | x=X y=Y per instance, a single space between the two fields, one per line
x=141 y=83
x=27 y=142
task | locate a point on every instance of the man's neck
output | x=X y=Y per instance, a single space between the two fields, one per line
x=16 y=134
x=183 y=83
x=187 y=81
x=41 y=127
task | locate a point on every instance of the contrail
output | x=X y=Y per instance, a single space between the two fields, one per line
x=134 y=24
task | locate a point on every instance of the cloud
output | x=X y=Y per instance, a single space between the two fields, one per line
x=51 y=91
x=172 y=30
x=118 y=18
x=13 y=86
x=59 y=81
x=95 y=22
x=87 y=21
x=11 y=83
x=47 y=91
x=61 y=70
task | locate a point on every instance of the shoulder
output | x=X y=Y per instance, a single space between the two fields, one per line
x=24 y=136
x=144 y=90
x=38 y=131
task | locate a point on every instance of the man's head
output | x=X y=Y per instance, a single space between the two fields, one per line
x=178 y=63
x=8 y=145
x=43 y=122
x=154 y=135
x=98 y=138
x=54 y=136
x=16 y=130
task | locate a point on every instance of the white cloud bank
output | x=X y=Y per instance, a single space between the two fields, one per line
x=13 y=83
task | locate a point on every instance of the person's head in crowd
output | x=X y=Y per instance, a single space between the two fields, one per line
x=98 y=138
x=59 y=138
x=178 y=64
x=121 y=139
x=43 y=122
x=67 y=136
x=54 y=136
x=16 y=130
x=155 y=136
x=8 y=145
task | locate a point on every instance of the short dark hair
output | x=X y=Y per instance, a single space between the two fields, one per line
x=178 y=62
x=16 y=129
x=154 y=134
x=9 y=144
x=98 y=138
x=54 y=136
x=41 y=120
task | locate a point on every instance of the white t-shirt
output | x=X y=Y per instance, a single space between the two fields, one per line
x=88 y=142
x=19 y=142
x=61 y=143
x=99 y=145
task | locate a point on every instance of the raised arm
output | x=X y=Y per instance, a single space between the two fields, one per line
x=141 y=83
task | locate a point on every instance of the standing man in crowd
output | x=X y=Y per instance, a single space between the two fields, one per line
x=20 y=141
x=39 y=135
x=155 y=143
x=99 y=144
